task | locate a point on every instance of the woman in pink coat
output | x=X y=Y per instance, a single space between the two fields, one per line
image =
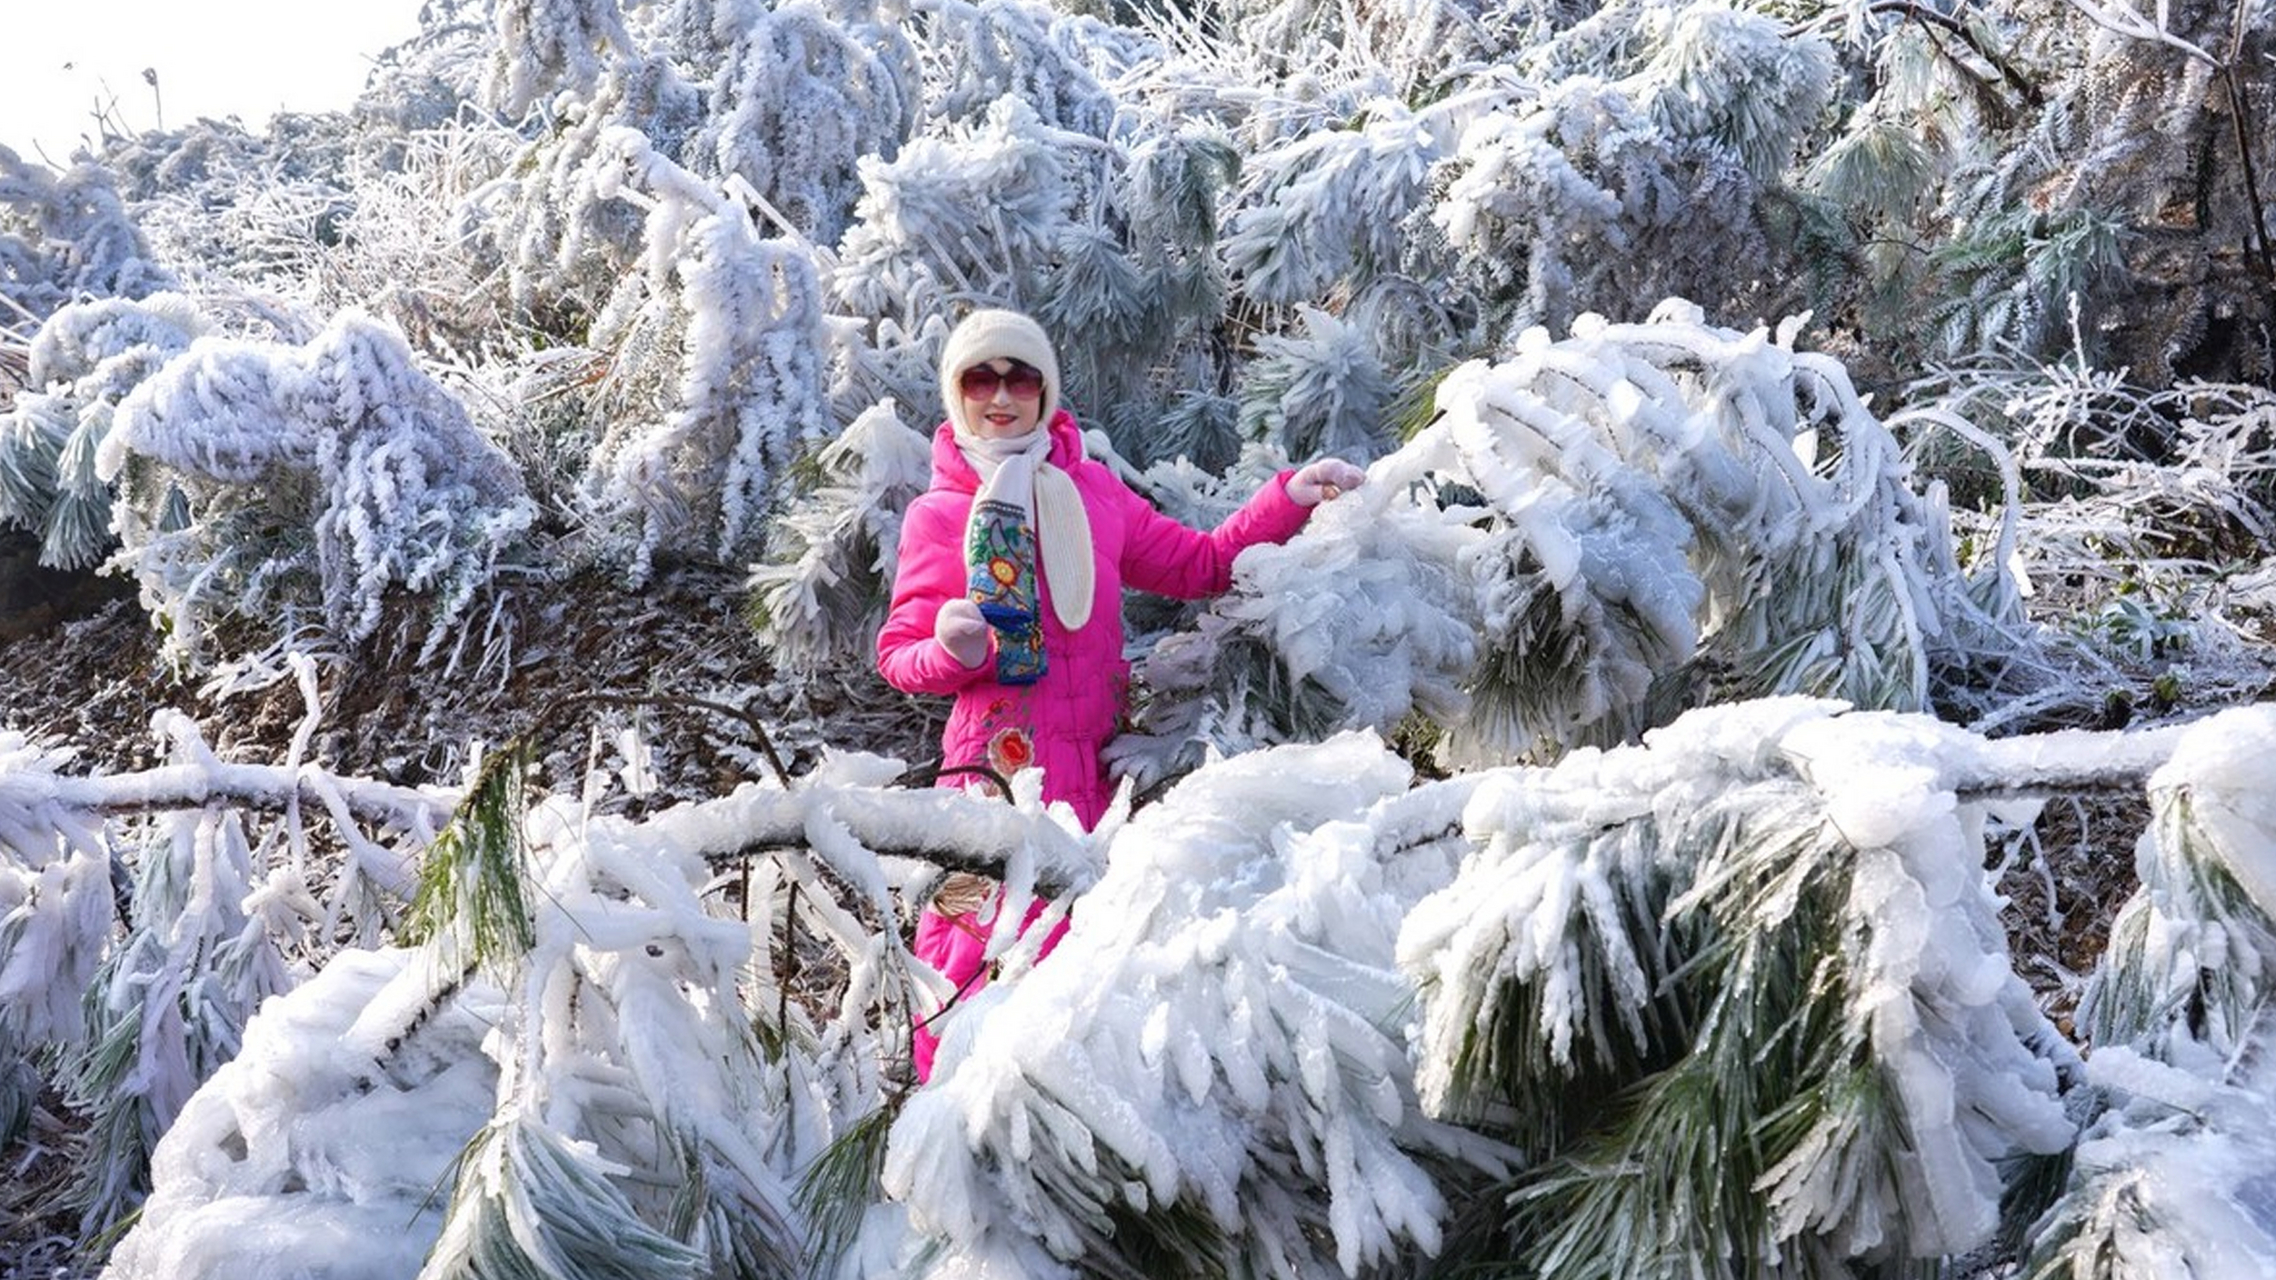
x=1009 y=592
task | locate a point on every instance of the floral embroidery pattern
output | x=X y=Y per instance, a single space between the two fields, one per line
x=999 y=555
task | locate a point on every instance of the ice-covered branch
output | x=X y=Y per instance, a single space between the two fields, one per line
x=34 y=787
x=2123 y=19
x=947 y=827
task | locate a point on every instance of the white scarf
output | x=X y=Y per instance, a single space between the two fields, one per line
x=1019 y=471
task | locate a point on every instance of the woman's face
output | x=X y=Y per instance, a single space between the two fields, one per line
x=1003 y=399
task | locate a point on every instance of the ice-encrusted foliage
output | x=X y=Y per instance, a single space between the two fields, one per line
x=2171 y=1179
x=1739 y=77
x=1630 y=519
x=1687 y=1001
x=2114 y=168
x=1334 y=209
x=2141 y=507
x=246 y=219
x=2153 y=481
x=970 y=214
x=56 y=916
x=1668 y=493
x=234 y=1180
x=1027 y=185
x=65 y=236
x=976 y=54
x=170 y=1004
x=630 y=1094
x=298 y=486
x=1319 y=391
x=126 y=1024
x=1577 y=201
x=724 y=329
x=820 y=596
x=807 y=95
x=1406 y=185
x=204 y=929
x=1138 y=288
x=561 y=232
x=545 y=47
x=1367 y=620
x=82 y=363
x=1224 y=1014
x=1014 y=211
x=1413 y=46
x=627 y=1047
x=1744 y=983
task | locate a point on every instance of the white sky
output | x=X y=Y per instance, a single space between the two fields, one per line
x=248 y=58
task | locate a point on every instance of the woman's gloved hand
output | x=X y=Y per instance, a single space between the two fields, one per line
x=962 y=631
x=1323 y=481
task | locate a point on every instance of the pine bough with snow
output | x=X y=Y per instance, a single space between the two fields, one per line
x=1736 y=998
x=1588 y=536
x=305 y=484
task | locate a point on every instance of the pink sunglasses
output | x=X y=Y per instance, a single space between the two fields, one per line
x=979 y=382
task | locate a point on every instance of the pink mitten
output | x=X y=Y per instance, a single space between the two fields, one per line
x=962 y=631
x=1323 y=481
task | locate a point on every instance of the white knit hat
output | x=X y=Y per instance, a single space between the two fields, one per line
x=996 y=334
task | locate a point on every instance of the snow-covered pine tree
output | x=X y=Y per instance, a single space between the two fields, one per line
x=83 y=362
x=805 y=91
x=1364 y=619
x=66 y=236
x=632 y=1092
x=542 y=48
x=1929 y=89
x=820 y=595
x=722 y=348
x=958 y=219
x=171 y=1000
x=1631 y=520
x=56 y=920
x=1254 y=1036
x=1319 y=390
x=1578 y=201
x=2169 y=1178
x=1742 y=997
x=295 y=487
x=2002 y=163
x=1330 y=211
x=1222 y=1027
x=1167 y=193
x=976 y=54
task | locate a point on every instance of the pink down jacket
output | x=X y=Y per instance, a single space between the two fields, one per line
x=1060 y=722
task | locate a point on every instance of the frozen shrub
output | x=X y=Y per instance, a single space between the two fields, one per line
x=298 y=486
x=83 y=362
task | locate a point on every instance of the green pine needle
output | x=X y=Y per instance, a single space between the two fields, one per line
x=531 y=1205
x=474 y=896
x=841 y=1185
